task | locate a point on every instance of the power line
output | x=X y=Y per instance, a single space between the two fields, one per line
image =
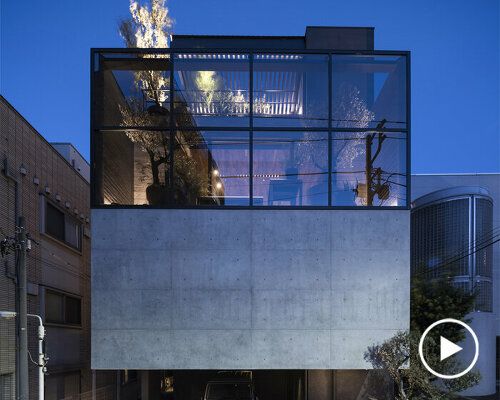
x=460 y=256
x=481 y=240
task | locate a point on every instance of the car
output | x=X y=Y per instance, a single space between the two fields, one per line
x=230 y=389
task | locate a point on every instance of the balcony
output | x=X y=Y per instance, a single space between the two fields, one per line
x=256 y=129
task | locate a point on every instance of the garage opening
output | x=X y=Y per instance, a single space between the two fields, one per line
x=256 y=385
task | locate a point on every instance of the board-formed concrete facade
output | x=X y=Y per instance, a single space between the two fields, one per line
x=246 y=289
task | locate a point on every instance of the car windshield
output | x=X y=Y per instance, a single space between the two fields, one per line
x=229 y=391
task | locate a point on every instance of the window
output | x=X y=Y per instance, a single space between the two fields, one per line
x=290 y=168
x=257 y=128
x=211 y=90
x=368 y=91
x=290 y=90
x=135 y=166
x=62 y=226
x=61 y=308
x=55 y=222
x=133 y=90
x=379 y=181
x=212 y=168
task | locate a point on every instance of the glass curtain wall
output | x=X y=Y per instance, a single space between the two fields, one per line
x=239 y=129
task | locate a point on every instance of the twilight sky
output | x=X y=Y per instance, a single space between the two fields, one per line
x=44 y=61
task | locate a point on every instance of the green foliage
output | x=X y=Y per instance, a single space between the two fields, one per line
x=438 y=299
x=398 y=356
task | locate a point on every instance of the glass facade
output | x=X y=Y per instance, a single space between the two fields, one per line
x=450 y=237
x=249 y=129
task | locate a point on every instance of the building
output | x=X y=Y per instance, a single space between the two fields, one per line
x=250 y=210
x=455 y=230
x=43 y=184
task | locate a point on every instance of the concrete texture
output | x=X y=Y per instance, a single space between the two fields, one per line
x=246 y=289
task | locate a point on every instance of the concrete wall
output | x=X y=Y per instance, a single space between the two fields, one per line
x=246 y=289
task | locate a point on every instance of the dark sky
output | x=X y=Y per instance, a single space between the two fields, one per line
x=455 y=61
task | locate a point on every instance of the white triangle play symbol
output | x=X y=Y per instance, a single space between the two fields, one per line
x=448 y=348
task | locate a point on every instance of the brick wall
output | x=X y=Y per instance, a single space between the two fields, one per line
x=22 y=145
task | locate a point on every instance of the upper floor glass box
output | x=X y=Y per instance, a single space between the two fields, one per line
x=250 y=128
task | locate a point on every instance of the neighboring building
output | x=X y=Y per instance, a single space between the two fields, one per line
x=250 y=210
x=76 y=160
x=36 y=181
x=455 y=228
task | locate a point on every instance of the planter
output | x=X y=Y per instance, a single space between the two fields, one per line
x=157 y=194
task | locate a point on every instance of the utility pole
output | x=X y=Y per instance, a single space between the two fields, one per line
x=23 y=310
x=373 y=188
x=369 y=168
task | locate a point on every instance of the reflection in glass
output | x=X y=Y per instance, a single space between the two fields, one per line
x=135 y=165
x=133 y=90
x=211 y=90
x=290 y=168
x=214 y=166
x=368 y=169
x=368 y=90
x=290 y=90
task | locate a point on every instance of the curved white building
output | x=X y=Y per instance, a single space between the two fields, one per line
x=454 y=221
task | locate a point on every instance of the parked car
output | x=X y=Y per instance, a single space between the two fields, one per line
x=230 y=389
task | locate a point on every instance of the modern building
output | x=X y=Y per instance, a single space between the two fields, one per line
x=455 y=231
x=42 y=184
x=250 y=210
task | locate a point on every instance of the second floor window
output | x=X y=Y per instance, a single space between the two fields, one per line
x=62 y=226
x=61 y=308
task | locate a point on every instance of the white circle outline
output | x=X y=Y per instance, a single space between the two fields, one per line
x=421 y=348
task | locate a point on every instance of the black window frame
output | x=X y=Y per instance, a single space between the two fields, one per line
x=64 y=296
x=96 y=130
x=66 y=215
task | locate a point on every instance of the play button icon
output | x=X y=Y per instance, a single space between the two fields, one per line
x=447 y=348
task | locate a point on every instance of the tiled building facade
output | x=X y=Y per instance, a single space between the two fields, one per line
x=46 y=188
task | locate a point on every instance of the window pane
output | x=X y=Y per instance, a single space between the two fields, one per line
x=72 y=230
x=54 y=307
x=483 y=235
x=290 y=90
x=132 y=90
x=386 y=173
x=73 y=310
x=211 y=90
x=368 y=90
x=212 y=168
x=290 y=168
x=55 y=222
x=132 y=167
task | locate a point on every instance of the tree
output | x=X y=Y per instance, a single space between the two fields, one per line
x=151 y=27
x=398 y=356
